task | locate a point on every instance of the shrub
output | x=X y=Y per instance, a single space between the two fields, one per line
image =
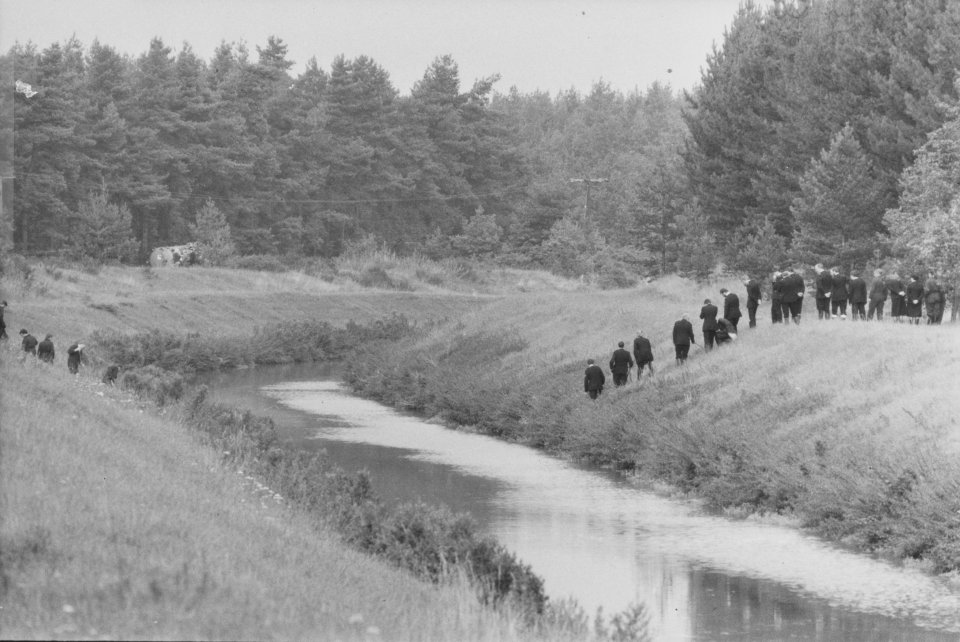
x=154 y=383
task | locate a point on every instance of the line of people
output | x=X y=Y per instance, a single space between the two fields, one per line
x=832 y=290
x=45 y=352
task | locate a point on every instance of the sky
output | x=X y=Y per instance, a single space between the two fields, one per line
x=534 y=45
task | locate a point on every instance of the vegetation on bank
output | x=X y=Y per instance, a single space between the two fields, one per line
x=434 y=544
x=850 y=427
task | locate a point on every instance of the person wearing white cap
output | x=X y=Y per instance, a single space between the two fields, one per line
x=74 y=354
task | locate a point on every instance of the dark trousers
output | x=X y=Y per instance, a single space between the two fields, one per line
x=734 y=322
x=776 y=312
x=856 y=309
x=709 y=336
x=683 y=349
x=752 y=314
x=641 y=363
x=823 y=308
x=876 y=307
x=839 y=306
x=792 y=309
x=934 y=313
x=620 y=378
x=594 y=393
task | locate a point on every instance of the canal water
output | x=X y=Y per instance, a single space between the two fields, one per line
x=594 y=537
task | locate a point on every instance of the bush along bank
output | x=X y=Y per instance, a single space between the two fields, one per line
x=158 y=364
x=433 y=543
x=746 y=451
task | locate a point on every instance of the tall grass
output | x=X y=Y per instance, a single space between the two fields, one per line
x=850 y=427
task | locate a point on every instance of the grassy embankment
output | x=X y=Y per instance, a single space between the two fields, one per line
x=115 y=524
x=850 y=428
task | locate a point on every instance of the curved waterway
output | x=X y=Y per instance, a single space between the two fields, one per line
x=594 y=537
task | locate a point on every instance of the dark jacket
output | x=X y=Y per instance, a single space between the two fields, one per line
x=29 y=344
x=792 y=287
x=776 y=295
x=709 y=315
x=731 y=307
x=73 y=358
x=683 y=333
x=642 y=350
x=840 y=292
x=824 y=284
x=895 y=287
x=857 y=288
x=935 y=294
x=593 y=378
x=621 y=361
x=753 y=294
x=878 y=291
x=45 y=351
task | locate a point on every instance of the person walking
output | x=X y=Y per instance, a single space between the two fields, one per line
x=683 y=338
x=792 y=295
x=593 y=379
x=754 y=295
x=3 y=324
x=914 y=300
x=731 y=307
x=74 y=357
x=934 y=299
x=857 y=288
x=28 y=343
x=824 y=289
x=620 y=365
x=776 y=297
x=839 y=294
x=709 y=315
x=643 y=354
x=898 y=296
x=45 y=351
x=878 y=296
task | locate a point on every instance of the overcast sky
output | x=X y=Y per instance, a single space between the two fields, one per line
x=548 y=45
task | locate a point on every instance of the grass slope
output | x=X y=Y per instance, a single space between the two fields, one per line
x=852 y=427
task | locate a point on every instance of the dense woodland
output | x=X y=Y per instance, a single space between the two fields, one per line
x=822 y=130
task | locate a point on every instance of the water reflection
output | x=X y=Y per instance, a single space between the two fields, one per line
x=606 y=544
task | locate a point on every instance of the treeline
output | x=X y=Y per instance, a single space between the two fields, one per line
x=823 y=130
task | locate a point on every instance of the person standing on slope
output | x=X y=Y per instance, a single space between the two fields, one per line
x=709 y=315
x=643 y=354
x=753 y=299
x=593 y=379
x=731 y=307
x=858 y=296
x=683 y=338
x=620 y=365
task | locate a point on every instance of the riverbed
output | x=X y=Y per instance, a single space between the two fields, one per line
x=598 y=539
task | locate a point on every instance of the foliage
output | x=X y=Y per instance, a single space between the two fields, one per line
x=155 y=383
x=102 y=231
x=760 y=251
x=211 y=232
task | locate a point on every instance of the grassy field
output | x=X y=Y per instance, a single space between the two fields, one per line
x=851 y=428
x=115 y=522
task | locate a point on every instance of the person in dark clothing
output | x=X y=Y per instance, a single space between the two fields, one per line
x=3 y=324
x=878 y=296
x=776 y=297
x=934 y=299
x=726 y=332
x=914 y=299
x=28 y=342
x=731 y=307
x=643 y=354
x=709 y=315
x=110 y=375
x=898 y=296
x=593 y=379
x=824 y=289
x=683 y=338
x=839 y=295
x=857 y=289
x=45 y=350
x=791 y=301
x=753 y=300
x=74 y=357
x=620 y=365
